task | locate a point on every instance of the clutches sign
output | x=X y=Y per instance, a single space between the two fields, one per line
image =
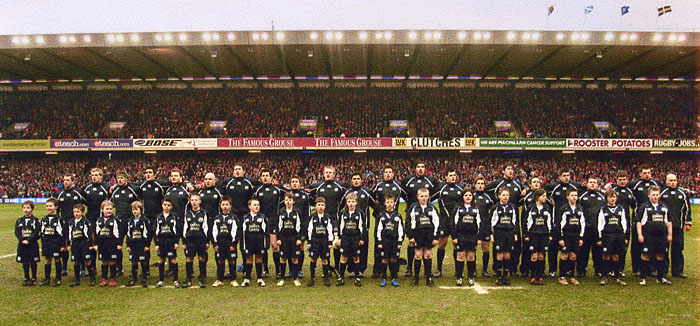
x=609 y=143
x=435 y=143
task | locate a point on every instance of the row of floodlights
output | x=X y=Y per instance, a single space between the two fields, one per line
x=338 y=35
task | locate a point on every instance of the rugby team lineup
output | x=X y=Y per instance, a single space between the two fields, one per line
x=517 y=226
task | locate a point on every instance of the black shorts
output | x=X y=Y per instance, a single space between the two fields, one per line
x=254 y=244
x=196 y=247
x=350 y=246
x=537 y=243
x=51 y=248
x=653 y=246
x=225 y=252
x=444 y=229
x=571 y=243
x=503 y=241
x=80 y=252
x=107 y=249
x=613 y=244
x=289 y=247
x=389 y=249
x=424 y=238
x=28 y=253
x=139 y=254
x=166 y=249
x=319 y=249
x=466 y=241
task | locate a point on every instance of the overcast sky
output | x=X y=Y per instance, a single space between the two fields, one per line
x=95 y=16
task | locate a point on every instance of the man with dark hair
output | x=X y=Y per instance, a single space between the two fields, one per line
x=365 y=201
x=152 y=193
x=557 y=192
x=388 y=186
x=517 y=191
x=68 y=197
x=679 y=214
x=592 y=200
x=302 y=204
x=626 y=199
x=240 y=188
x=412 y=184
x=123 y=194
x=271 y=199
x=178 y=192
x=449 y=196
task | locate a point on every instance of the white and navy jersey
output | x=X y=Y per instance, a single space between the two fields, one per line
x=514 y=186
x=180 y=198
x=424 y=218
x=195 y=225
x=53 y=229
x=289 y=223
x=302 y=204
x=319 y=228
x=108 y=228
x=539 y=220
x=80 y=231
x=678 y=203
x=254 y=224
x=412 y=183
x=166 y=227
x=570 y=220
x=449 y=196
x=557 y=191
x=332 y=192
x=138 y=232
x=271 y=199
x=504 y=217
x=122 y=197
x=528 y=201
x=640 y=188
x=612 y=220
x=224 y=230
x=365 y=200
x=351 y=223
x=152 y=194
x=653 y=219
x=380 y=189
x=95 y=194
x=211 y=197
x=240 y=190
x=591 y=202
x=390 y=227
x=466 y=219
x=27 y=228
x=67 y=199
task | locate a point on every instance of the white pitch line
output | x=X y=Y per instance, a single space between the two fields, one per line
x=8 y=256
x=482 y=289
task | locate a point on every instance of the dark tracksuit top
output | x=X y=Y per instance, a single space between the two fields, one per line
x=95 y=194
x=195 y=226
x=166 y=228
x=122 y=197
x=319 y=228
x=382 y=188
x=449 y=196
x=539 y=220
x=152 y=194
x=390 y=227
x=678 y=203
x=570 y=220
x=557 y=191
x=425 y=218
x=640 y=188
x=302 y=204
x=271 y=199
x=240 y=190
x=225 y=230
x=514 y=186
x=180 y=198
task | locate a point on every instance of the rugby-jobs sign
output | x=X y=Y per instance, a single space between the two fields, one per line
x=676 y=143
x=597 y=143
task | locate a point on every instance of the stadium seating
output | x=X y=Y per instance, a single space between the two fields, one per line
x=350 y=112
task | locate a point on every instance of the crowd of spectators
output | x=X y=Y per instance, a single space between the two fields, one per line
x=352 y=112
x=39 y=176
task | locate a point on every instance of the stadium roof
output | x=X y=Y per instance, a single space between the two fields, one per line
x=334 y=55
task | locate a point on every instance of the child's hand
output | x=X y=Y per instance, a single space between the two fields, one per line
x=232 y=248
x=298 y=243
x=580 y=243
x=157 y=248
x=516 y=237
x=147 y=249
x=119 y=247
x=279 y=242
x=669 y=238
x=184 y=246
x=206 y=245
x=398 y=246
x=454 y=241
x=175 y=246
x=599 y=243
x=561 y=243
x=380 y=246
x=435 y=242
x=361 y=242
x=127 y=249
x=550 y=239
x=216 y=248
x=94 y=248
x=412 y=241
x=68 y=248
x=527 y=239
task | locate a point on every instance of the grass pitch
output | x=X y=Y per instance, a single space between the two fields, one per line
x=552 y=304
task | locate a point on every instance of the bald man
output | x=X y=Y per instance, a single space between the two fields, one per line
x=211 y=196
x=679 y=213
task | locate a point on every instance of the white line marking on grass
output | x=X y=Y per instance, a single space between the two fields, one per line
x=8 y=256
x=482 y=289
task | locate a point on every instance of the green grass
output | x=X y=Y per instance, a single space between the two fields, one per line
x=553 y=304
